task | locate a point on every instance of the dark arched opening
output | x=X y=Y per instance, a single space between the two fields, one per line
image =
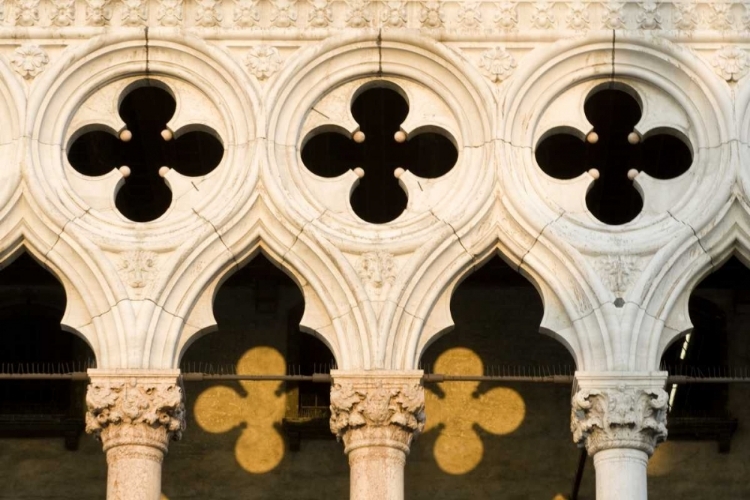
x=258 y=435
x=707 y=420
x=488 y=439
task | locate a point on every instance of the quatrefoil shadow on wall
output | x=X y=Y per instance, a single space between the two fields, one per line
x=614 y=153
x=379 y=152
x=145 y=151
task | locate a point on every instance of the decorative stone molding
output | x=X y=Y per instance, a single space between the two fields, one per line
x=377 y=408
x=129 y=407
x=619 y=411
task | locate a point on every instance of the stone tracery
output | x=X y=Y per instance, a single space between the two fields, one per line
x=502 y=210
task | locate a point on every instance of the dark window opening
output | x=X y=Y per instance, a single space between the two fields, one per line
x=379 y=112
x=144 y=196
x=614 y=152
x=32 y=303
x=719 y=310
x=260 y=306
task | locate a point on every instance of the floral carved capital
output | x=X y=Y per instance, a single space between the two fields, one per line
x=375 y=410
x=622 y=417
x=134 y=410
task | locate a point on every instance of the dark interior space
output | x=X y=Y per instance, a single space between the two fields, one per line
x=144 y=196
x=379 y=111
x=613 y=113
x=32 y=303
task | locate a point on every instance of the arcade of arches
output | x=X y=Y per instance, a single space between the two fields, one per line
x=374 y=249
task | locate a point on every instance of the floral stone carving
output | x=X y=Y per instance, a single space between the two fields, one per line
x=377 y=408
x=621 y=417
x=263 y=61
x=731 y=63
x=498 y=64
x=138 y=268
x=29 y=60
x=143 y=410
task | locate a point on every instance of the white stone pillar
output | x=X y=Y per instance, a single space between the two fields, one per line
x=377 y=414
x=135 y=413
x=620 y=418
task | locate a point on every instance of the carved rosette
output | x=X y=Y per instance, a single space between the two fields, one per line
x=377 y=410
x=619 y=417
x=135 y=410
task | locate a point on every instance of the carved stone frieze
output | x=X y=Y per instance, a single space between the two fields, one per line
x=130 y=409
x=619 y=417
x=377 y=409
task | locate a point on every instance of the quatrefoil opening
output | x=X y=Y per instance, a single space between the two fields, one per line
x=614 y=153
x=379 y=152
x=145 y=147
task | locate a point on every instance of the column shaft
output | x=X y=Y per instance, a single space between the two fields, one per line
x=377 y=472
x=621 y=474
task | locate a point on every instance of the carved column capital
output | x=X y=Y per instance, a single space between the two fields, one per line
x=377 y=408
x=135 y=407
x=620 y=411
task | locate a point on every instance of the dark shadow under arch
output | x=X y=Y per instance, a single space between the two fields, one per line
x=522 y=431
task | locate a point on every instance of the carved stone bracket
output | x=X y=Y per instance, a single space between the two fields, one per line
x=377 y=408
x=128 y=407
x=619 y=413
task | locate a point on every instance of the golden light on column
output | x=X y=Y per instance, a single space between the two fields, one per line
x=458 y=448
x=220 y=409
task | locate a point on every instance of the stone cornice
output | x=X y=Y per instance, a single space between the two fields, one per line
x=131 y=407
x=619 y=412
x=377 y=408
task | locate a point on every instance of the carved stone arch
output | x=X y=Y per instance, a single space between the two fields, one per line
x=88 y=313
x=12 y=109
x=329 y=76
x=83 y=89
x=424 y=309
x=185 y=310
x=554 y=81
x=728 y=236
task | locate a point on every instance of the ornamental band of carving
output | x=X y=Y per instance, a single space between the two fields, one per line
x=391 y=414
x=624 y=417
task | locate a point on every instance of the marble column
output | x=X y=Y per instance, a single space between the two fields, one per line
x=377 y=414
x=135 y=413
x=620 y=418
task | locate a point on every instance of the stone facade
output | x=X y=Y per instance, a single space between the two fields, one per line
x=263 y=79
